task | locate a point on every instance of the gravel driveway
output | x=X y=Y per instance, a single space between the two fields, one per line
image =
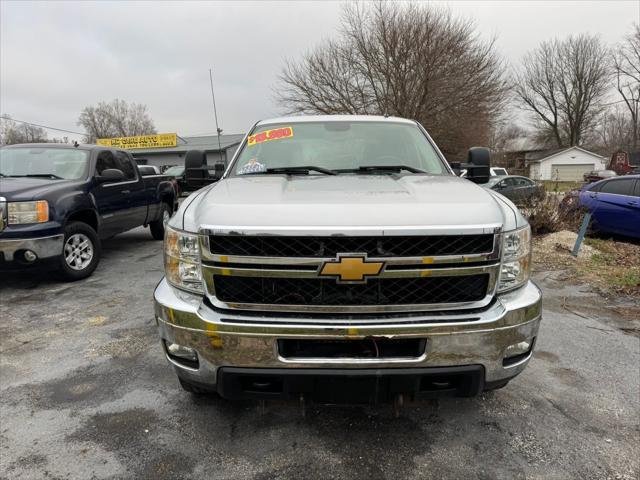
x=86 y=393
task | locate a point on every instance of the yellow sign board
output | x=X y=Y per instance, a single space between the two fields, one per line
x=159 y=140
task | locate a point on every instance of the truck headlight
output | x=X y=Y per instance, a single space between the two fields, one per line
x=27 y=212
x=516 y=259
x=182 y=260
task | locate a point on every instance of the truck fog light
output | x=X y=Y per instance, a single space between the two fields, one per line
x=180 y=351
x=517 y=352
x=30 y=256
x=517 y=349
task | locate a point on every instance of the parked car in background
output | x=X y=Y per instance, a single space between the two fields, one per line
x=150 y=170
x=494 y=171
x=177 y=173
x=614 y=205
x=596 y=175
x=146 y=170
x=57 y=202
x=515 y=188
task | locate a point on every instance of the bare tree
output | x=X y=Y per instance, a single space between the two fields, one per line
x=116 y=119
x=410 y=60
x=627 y=69
x=563 y=83
x=614 y=131
x=12 y=132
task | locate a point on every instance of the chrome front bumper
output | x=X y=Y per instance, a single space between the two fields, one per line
x=231 y=339
x=43 y=247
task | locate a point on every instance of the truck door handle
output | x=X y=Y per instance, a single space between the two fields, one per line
x=125 y=191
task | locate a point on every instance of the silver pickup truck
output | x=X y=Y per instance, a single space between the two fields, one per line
x=339 y=258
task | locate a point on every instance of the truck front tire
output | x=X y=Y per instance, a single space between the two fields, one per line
x=80 y=251
x=157 y=227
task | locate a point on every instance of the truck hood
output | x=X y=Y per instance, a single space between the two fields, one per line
x=376 y=201
x=29 y=188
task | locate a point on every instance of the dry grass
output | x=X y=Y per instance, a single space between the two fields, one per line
x=560 y=187
x=612 y=267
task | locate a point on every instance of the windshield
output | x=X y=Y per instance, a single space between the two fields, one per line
x=338 y=146
x=174 y=171
x=55 y=163
x=493 y=180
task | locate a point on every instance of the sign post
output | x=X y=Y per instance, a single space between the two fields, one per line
x=581 y=233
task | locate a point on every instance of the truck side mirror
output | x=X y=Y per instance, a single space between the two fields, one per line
x=456 y=167
x=218 y=171
x=110 y=175
x=478 y=162
x=195 y=169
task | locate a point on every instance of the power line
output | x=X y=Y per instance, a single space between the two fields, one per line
x=41 y=126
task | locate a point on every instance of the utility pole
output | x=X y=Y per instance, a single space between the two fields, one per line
x=215 y=112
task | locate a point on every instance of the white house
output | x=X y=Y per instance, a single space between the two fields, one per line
x=569 y=164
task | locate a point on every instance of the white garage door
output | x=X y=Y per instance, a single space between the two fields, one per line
x=570 y=173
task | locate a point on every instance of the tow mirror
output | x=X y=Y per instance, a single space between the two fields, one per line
x=478 y=162
x=196 y=174
x=110 y=175
x=456 y=167
x=218 y=171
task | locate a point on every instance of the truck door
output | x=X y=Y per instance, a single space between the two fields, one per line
x=133 y=189
x=112 y=204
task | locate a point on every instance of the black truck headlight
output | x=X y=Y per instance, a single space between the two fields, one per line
x=516 y=259
x=182 y=260
x=27 y=212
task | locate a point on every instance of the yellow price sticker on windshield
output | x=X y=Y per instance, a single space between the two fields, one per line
x=268 y=135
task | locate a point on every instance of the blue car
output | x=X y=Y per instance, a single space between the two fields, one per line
x=614 y=205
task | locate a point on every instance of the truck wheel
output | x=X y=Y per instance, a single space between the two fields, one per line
x=157 y=227
x=80 y=251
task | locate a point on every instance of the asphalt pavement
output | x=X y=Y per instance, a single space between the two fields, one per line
x=85 y=392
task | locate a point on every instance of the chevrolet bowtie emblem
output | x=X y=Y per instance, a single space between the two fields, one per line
x=351 y=268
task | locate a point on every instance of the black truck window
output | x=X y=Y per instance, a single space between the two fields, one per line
x=126 y=165
x=105 y=160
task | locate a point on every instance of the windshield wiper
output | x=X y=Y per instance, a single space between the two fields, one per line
x=381 y=168
x=293 y=171
x=39 y=175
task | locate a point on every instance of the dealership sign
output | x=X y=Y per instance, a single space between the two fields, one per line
x=159 y=140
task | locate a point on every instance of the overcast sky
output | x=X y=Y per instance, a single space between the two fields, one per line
x=57 y=57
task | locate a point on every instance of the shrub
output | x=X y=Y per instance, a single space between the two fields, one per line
x=552 y=213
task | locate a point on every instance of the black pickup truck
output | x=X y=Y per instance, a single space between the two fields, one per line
x=58 y=201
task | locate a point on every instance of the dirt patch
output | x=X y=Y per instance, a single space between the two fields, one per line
x=127 y=344
x=564 y=241
x=610 y=267
x=548 y=356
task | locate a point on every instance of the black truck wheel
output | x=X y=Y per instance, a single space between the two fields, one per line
x=157 y=227
x=80 y=251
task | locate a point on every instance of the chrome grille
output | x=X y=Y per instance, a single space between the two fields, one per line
x=373 y=246
x=321 y=291
x=281 y=273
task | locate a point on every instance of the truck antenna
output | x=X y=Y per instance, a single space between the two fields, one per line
x=215 y=112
